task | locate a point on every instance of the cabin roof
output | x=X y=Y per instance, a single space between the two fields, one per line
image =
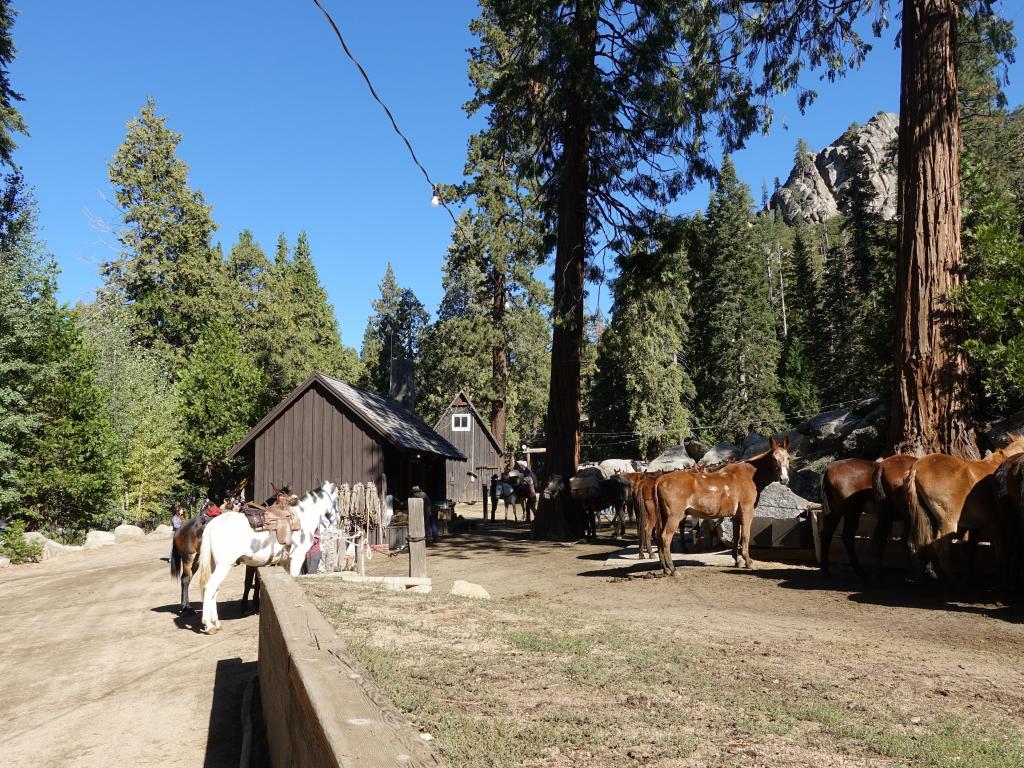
x=457 y=402
x=388 y=419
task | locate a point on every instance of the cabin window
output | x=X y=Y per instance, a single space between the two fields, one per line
x=460 y=422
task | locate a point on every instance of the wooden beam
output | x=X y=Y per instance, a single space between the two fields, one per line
x=417 y=539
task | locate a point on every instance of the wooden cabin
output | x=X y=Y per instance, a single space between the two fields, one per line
x=462 y=426
x=326 y=429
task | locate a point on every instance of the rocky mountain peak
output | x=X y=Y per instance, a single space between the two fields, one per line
x=815 y=188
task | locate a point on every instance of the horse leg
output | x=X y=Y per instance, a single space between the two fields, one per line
x=883 y=531
x=250 y=573
x=211 y=621
x=620 y=514
x=667 y=531
x=188 y=570
x=255 y=590
x=737 y=524
x=747 y=518
x=828 y=530
x=851 y=522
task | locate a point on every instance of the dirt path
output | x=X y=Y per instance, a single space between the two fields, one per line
x=97 y=669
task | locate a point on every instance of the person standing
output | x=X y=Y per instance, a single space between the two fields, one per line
x=312 y=564
x=494 y=495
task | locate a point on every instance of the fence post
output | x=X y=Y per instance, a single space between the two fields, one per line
x=417 y=539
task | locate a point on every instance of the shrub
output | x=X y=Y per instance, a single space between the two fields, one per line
x=14 y=545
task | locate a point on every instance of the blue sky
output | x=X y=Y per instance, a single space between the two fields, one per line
x=281 y=135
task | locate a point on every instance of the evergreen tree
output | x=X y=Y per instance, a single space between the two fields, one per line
x=219 y=399
x=11 y=121
x=642 y=386
x=167 y=271
x=740 y=385
x=394 y=330
x=798 y=388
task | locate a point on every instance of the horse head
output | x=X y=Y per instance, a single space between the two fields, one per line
x=555 y=485
x=779 y=454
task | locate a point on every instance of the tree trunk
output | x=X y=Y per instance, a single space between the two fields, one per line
x=563 y=419
x=931 y=408
x=499 y=360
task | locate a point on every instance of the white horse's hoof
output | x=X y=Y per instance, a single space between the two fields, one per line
x=211 y=629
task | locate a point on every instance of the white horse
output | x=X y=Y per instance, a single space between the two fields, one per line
x=229 y=540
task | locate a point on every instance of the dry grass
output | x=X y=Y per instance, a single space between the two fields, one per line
x=523 y=682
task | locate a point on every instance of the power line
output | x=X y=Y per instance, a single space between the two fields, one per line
x=373 y=92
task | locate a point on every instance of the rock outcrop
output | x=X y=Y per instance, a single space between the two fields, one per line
x=816 y=187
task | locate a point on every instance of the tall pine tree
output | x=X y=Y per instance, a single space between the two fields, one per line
x=394 y=331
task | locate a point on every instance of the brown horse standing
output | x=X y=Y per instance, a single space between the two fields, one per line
x=888 y=480
x=645 y=509
x=731 y=491
x=945 y=493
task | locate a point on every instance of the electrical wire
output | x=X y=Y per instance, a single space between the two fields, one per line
x=435 y=190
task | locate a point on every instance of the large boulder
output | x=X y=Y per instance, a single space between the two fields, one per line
x=35 y=536
x=4 y=561
x=126 y=532
x=469 y=589
x=97 y=539
x=52 y=549
x=616 y=466
x=864 y=443
x=997 y=434
x=162 y=531
x=674 y=458
x=830 y=427
x=695 y=449
x=806 y=483
x=721 y=452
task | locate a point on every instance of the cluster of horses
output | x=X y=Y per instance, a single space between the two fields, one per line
x=939 y=499
x=660 y=501
x=211 y=548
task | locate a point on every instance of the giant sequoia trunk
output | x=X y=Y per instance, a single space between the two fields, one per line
x=931 y=410
x=563 y=420
x=499 y=360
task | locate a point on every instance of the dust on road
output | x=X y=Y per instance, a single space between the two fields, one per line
x=96 y=667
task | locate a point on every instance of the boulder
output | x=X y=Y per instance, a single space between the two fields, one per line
x=674 y=458
x=160 y=532
x=35 y=536
x=125 y=532
x=777 y=501
x=997 y=434
x=806 y=483
x=616 y=466
x=469 y=589
x=97 y=539
x=867 y=406
x=753 y=444
x=695 y=449
x=52 y=549
x=830 y=427
x=797 y=441
x=4 y=561
x=863 y=443
x=721 y=452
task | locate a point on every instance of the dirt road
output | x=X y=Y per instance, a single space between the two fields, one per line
x=96 y=668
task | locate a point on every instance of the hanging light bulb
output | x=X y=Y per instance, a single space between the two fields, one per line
x=436 y=199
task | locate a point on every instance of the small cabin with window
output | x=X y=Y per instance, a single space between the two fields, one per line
x=326 y=429
x=462 y=426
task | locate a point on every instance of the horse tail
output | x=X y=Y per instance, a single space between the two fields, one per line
x=175 y=559
x=921 y=533
x=876 y=483
x=205 y=562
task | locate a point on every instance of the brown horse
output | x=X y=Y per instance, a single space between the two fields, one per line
x=945 y=493
x=851 y=488
x=846 y=494
x=731 y=491
x=185 y=547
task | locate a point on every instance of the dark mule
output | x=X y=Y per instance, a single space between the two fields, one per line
x=611 y=492
x=731 y=491
x=1010 y=495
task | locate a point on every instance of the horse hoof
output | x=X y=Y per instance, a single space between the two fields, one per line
x=211 y=630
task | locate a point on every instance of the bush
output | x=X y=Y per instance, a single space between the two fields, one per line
x=14 y=545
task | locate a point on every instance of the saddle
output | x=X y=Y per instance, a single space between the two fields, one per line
x=278 y=517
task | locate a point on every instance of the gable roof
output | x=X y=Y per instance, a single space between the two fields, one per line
x=388 y=419
x=476 y=414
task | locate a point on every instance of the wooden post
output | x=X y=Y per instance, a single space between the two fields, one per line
x=417 y=539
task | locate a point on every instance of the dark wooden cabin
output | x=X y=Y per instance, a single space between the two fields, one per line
x=326 y=429
x=462 y=426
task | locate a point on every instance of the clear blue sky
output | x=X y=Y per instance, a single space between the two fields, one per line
x=281 y=135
